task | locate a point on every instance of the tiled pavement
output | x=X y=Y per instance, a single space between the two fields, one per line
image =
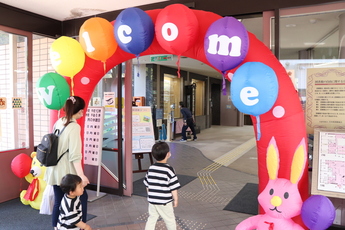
x=223 y=159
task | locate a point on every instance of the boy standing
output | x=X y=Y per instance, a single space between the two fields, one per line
x=70 y=210
x=161 y=183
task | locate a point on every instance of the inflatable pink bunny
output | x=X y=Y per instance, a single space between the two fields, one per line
x=280 y=199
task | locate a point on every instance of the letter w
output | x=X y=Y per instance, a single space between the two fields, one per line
x=224 y=43
x=44 y=97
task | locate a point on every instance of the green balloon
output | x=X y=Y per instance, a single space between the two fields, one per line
x=52 y=90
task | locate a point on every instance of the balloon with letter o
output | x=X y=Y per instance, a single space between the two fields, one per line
x=254 y=88
x=67 y=56
x=176 y=28
x=134 y=30
x=97 y=38
x=226 y=43
x=52 y=90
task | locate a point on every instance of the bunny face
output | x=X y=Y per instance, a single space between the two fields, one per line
x=281 y=199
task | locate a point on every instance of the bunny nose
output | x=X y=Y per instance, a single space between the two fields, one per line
x=276 y=201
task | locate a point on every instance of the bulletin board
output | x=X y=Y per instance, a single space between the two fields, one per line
x=328 y=174
x=143 y=137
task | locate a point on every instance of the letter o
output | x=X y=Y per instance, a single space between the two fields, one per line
x=174 y=31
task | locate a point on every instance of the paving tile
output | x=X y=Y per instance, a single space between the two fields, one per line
x=201 y=202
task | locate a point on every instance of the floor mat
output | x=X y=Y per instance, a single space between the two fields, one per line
x=246 y=201
x=139 y=188
x=17 y=216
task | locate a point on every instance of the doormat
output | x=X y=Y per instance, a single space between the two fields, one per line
x=246 y=200
x=16 y=216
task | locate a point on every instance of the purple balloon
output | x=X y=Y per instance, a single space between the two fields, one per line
x=318 y=212
x=226 y=43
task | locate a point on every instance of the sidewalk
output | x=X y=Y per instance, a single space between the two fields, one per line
x=221 y=169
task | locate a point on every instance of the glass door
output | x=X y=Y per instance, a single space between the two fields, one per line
x=15 y=91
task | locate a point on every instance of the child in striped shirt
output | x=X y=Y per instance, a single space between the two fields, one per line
x=70 y=209
x=161 y=183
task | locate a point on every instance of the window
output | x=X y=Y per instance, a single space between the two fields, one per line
x=14 y=118
x=172 y=95
x=199 y=97
x=40 y=65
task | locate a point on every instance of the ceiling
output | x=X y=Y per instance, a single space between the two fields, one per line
x=70 y=9
x=297 y=33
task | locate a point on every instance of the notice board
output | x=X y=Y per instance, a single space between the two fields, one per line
x=143 y=137
x=328 y=175
x=325 y=105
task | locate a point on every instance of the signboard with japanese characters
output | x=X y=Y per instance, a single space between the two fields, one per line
x=329 y=163
x=93 y=135
x=325 y=107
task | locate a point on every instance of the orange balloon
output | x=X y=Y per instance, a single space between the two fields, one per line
x=96 y=36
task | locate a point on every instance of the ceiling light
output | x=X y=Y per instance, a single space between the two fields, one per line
x=290 y=25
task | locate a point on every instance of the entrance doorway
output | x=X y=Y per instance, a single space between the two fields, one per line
x=215 y=103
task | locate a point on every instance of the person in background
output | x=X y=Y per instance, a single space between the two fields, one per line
x=188 y=121
x=71 y=209
x=71 y=162
x=162 y=184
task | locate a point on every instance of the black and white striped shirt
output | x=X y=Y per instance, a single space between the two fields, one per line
x=70 y=213
x=161 y=180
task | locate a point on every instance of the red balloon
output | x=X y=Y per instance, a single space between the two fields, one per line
x=176 y=28
x=21 y=165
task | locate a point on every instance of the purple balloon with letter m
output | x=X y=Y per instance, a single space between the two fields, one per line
x=226 y=43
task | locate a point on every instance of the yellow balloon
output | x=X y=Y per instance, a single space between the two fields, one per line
x=67 y=56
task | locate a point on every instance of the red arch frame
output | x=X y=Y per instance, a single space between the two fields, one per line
x=288 y=130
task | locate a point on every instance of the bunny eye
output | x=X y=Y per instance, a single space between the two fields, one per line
x=271 y=191
x=286 y=195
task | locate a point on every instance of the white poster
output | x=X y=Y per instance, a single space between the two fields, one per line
x=93 y=135
x=109 y=101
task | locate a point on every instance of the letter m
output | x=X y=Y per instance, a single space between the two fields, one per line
x=224 y=45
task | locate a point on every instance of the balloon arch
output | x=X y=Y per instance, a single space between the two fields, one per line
x=260 y=85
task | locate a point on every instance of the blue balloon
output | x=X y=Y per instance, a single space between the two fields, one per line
x=254 y=88
x=134 y=30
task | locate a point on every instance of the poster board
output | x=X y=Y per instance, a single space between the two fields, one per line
x=143 y=137
x=93 y=135
x=328 y=175
x=325 y=106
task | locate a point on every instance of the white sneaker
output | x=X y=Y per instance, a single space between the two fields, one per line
x=183 y=140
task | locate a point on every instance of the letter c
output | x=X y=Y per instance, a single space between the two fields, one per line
x=121 y=31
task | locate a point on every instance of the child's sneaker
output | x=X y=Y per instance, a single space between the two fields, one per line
x=183 y=140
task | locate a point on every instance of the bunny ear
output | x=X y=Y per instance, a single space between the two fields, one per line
x=272 y=159
x=298 y=162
